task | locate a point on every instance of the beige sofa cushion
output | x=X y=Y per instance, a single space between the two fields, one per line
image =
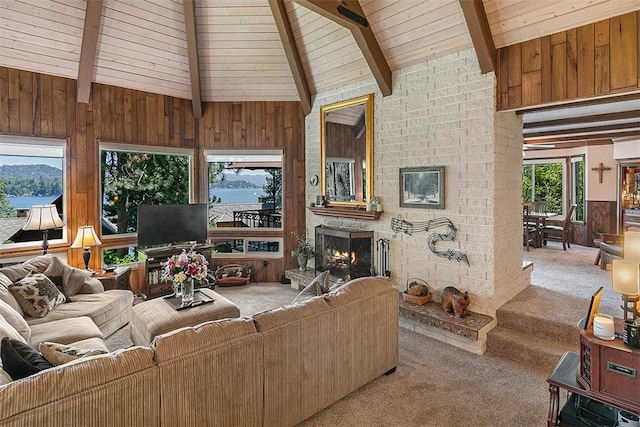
x=116 y=389
x=100 y=307
x=6 y=330
x=288 y=314
x=358 y=289
x=211 y=374
x=64 y=331
x=6 y=296
x=15 y=319
x=72 y=278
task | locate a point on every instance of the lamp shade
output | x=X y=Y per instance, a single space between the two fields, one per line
x=43 y=217
x=632 y=246
x=86 y=237
x=625 y=277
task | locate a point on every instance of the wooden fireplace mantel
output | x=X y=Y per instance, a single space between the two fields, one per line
x=346 y=212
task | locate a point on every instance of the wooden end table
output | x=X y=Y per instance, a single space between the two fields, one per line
x=117 y=279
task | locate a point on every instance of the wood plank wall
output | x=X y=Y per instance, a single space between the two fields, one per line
x=593 y=60
x=41 y=105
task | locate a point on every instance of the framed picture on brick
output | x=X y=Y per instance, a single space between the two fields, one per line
x=422 y=187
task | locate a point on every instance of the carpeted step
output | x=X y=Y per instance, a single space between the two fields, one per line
x=525 y=349
x=538 y=325
x=545 y=314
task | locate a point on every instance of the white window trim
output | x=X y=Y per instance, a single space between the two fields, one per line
x=245 y=244
x=39 y=147
x=135 y=148
x=229 y=155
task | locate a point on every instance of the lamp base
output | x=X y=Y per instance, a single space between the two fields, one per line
x=86 y=256
x=630 y=307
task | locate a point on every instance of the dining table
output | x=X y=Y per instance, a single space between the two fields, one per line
x=540 y=219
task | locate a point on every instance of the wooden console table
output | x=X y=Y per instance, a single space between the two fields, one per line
x=564 y=376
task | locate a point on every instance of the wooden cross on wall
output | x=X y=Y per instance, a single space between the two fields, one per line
x=600 y=169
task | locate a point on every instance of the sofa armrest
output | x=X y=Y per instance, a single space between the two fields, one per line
x=91 y=286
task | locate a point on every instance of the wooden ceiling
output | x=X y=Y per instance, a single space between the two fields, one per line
x=240 y=55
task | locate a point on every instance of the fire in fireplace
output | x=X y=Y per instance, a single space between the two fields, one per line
x=344 y=252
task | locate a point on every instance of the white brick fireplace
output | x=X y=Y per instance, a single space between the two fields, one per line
x=442 y=113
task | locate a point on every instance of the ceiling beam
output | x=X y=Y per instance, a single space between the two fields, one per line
x=604 y=135
x=291 y=51
x=361 y=32
x=582 y=103
x=586 y=131
x=480 y=32
x=194 y=62
x=92 y=16
x=605 y=117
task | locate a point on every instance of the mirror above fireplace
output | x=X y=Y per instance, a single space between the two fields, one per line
x=346 y=152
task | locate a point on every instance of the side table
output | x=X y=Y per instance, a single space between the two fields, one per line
x=564 y=376
x=117 y=279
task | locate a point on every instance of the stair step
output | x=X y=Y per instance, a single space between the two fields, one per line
x=538 y=325
x=525 y=349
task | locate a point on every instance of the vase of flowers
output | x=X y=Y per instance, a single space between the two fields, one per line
x=302 y=252
x=185 y=270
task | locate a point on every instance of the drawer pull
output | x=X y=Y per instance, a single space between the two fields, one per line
x=621 y=369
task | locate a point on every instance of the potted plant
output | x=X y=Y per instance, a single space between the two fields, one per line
x=303 y=251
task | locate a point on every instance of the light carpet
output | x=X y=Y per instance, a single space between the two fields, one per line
x=437 y=384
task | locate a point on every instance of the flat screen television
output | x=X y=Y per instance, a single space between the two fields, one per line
x=169 y=224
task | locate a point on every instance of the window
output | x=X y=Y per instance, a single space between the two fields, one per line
x=233 y=248
x=245 y=188
x=577 y=187
x=547 y=181
x=132 y=178
x=32 y=172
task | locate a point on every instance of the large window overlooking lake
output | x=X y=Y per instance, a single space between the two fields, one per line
x=245 y=188
x=133 y=178
x=31 y=173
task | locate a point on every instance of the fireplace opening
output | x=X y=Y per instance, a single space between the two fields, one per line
x=344 y=252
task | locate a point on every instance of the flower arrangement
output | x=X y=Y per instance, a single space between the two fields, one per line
x=304 y=247
x=187 y=265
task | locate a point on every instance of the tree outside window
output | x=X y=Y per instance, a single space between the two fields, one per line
x=131 y=179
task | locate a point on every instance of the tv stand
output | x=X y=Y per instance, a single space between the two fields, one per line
x=154 y=286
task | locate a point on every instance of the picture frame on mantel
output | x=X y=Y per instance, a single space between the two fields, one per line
x=422 y=187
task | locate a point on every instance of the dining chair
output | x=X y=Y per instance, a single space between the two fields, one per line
x=559 y=232
x=529 y=228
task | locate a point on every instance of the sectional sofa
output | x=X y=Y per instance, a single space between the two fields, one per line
x=275 y=368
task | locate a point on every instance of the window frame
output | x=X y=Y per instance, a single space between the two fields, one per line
x=125 y=239
x=568 y=180
x=33 y=143
x=257 y=231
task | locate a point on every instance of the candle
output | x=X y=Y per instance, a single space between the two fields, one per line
x=603 y=327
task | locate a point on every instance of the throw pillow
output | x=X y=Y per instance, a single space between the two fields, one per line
x=20 y=360
x=36 y=294
x=59 y=354
x=341 y=281
x=72 y=278
x=321 y=283
x=314 y=288
x=15 y=319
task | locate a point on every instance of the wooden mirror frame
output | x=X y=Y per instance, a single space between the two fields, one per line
x=367 y=100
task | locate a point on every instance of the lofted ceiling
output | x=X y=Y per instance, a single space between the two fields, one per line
x=260 y=50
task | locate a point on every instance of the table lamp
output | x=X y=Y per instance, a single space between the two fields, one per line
x=86 y=238
x=632 y=246
x=44 y=218
x=626 y=281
